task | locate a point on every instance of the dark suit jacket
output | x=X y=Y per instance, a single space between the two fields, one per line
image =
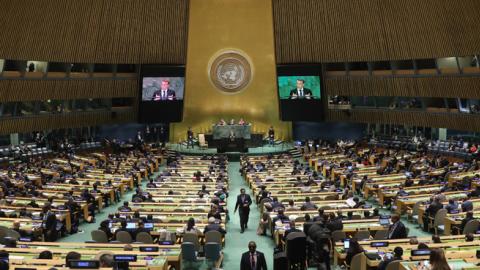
x=335 y=225
x=214 y=227
x=245 y=262
x=240 y=203
x=137 y=231
x=290 y=231
x=467 y=206
x=50 y=222
x=306 y=92
x=433 y=208
x=170 y=95
x=464 y=222
x=383 y=265
x=399 y=232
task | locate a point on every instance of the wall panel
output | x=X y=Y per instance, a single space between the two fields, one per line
x=439 y=120
x=24 y=90
x=455 y=86
x=313 y=31
x=94 y=31
x=70 y=120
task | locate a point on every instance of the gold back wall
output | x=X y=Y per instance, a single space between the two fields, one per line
x=217 y=25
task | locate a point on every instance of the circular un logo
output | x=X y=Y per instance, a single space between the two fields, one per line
x=230 y=72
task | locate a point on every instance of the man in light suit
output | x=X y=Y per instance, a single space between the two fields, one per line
x=253 y=259
x=164 y=93
x=300 y=92
x=243 y=205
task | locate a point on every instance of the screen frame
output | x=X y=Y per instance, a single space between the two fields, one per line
x=169 y=111
x=314 y=110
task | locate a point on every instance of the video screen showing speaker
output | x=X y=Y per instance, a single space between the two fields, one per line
x=300 y=92
x=299 y=87
x=162 y=90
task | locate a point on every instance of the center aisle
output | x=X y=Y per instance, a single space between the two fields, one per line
x=236 y=243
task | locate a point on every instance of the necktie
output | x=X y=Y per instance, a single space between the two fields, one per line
x=164 y=95
x=394 y=226
x=301 y=92
x=252 y=261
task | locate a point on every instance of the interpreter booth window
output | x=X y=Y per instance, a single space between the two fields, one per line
x=385 y=102
x=45 y=107
x=469 y=61
x=362 y=102
x=358 y=69
x=468 y=105
x=7 y=109
x=79 y=68
x=408 y=103
x=403 y=67
x=435 y=104
x=36 y=66
x=122 y=102
x=103 y=68
x=26 y=108
x=381 y=68
x=126 y=68
x=98 y=104
x=80 y=104
x=67 y=106
x=51 y=106
x=57 y=67
x=14 y=68
x=452 y=104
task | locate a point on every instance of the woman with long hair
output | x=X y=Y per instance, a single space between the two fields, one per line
x=190 y=227
x=438 y=260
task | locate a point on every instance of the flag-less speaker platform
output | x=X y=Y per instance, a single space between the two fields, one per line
x=264 y=148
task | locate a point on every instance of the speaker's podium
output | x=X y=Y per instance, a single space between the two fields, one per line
x=230 y=138
x=231 y=145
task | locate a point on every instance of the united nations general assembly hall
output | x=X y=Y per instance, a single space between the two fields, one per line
x=239 y=135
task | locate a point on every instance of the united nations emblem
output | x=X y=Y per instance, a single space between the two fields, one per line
x=230 y=72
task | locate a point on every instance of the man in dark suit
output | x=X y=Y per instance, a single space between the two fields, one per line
x=431 y=211
x=141 y=228
x=397 y=256
x=467 y=205
x=123 y=228
x=164 y=93
x=300 y=92
x=397 y=230
x=213 y=226
x=335 y=223
x=189 y=137
x=253 y=259
x=49 y=224
x=243 y=205
x=468 y=217
x=271 y=135
x=293 y=228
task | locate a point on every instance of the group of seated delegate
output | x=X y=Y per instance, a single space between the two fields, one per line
x=46 y=198
x=232 y=122
x=43 y=199
x=352 y=199
x=184 y=203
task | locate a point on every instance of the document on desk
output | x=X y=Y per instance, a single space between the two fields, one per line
x=350 y=202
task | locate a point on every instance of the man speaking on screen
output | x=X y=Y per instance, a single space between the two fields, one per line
x=300 y=92
x=164 y=93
